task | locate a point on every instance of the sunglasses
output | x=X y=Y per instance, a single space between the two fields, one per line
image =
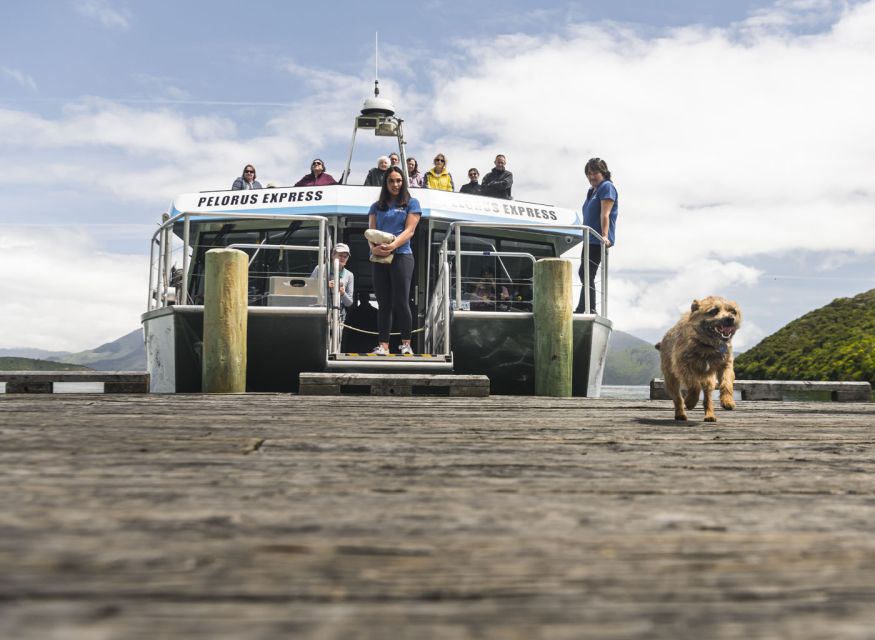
x=249 y=171
x=316 y=164
x=473 y=175
x=439 y=160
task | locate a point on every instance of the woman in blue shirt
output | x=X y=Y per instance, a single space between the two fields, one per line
x=396 y=213
x=599 y=213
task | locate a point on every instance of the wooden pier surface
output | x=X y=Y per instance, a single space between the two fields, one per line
x=272 y=516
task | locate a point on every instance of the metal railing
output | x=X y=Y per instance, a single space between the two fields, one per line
x=455 y=230
x=437 y=319
x=160 y=281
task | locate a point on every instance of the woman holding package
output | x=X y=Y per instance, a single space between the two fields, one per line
x=599 y=213
x=395 y=215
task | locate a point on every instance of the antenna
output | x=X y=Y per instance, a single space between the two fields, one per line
x=376 y=64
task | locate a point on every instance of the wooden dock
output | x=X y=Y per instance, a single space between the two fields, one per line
x=278 y=516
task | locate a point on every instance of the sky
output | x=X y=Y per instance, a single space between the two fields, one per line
x=740 y=136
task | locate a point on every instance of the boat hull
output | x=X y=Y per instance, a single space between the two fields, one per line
x=281 y=343
x=501 y=345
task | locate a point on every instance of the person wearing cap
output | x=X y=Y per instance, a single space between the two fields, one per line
x=347 y=279
x=472 y=187
x=317 y=176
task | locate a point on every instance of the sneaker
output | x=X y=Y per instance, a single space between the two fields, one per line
x=406 y=350
x=380 y=350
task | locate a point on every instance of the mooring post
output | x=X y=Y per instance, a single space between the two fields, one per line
x=225 y=307
x=553 y=328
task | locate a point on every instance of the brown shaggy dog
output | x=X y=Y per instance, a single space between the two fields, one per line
x=696 y=356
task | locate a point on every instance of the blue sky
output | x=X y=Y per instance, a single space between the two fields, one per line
x=740 y=135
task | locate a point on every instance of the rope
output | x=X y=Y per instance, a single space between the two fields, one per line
x=374 y=333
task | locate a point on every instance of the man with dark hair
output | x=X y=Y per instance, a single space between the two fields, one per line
x=473 y=186
x=498 y=182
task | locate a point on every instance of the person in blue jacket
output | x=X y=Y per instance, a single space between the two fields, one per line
x=599 y=213
x=396 y=213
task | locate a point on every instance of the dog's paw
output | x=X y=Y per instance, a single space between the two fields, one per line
x=680 y=416
x=711 y=418
x=728 y=404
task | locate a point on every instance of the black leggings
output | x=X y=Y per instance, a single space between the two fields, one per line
x=392 y=287
x=595 y=259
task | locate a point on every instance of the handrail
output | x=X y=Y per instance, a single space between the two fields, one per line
x=163 y=240
x=587 y=233
x=438 y=316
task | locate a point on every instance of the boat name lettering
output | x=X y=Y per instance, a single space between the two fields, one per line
x=532 y=212
x=224 y=201
x=271 y=197
x=291 y=196
x=481 y=204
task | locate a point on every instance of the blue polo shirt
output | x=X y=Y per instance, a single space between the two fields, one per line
x=592 y=210
x=392 y=220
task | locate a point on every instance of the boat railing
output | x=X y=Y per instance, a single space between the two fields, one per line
x=164 y=281
x=454 y=231
x=437 y=320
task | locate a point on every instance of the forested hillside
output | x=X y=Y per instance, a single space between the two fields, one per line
x=835 y=342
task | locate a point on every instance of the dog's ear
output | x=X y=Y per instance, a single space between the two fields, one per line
x=694 y=306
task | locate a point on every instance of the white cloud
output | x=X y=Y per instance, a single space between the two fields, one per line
x=727 y=144
x=61 y=293
x=105 y=13
x=20 y=77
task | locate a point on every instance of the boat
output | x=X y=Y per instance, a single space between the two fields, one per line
x=471 y=294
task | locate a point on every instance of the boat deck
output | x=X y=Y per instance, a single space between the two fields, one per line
x=273 y=515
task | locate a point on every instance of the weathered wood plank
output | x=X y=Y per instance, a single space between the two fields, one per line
x=394 y=384
x=841 y=391
x=272 y=515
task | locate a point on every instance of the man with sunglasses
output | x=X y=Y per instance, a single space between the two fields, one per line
x=498 y=182
x=472 y=187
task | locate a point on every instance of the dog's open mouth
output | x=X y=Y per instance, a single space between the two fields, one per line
x=725 y=331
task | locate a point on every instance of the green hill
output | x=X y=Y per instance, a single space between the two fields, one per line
x=30 y=364
x=835 y=342
x=630 y=361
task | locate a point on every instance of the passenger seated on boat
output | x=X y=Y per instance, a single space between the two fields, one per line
x=376 y=175
x=438 y=177
x=498 y=182
x=473 y=186
x=487 y=293
x=521 y=299
x=317 y=176
x=394 y=160
x=414 y=177
x=247 y=180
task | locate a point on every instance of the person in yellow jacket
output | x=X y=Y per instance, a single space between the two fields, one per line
x=438 y=177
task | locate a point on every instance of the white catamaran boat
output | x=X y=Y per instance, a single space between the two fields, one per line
x=471 y=294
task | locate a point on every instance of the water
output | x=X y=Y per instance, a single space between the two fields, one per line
x=626 y=392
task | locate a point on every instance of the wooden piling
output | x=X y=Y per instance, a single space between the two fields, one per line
x=225 y=308
x=553 y=328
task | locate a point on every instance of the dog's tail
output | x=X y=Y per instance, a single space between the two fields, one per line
x=657 y=345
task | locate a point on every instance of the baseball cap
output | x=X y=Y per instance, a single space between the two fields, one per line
x=341 y=248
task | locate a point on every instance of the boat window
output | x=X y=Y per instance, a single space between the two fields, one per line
x=492 y=281
x=264 y=263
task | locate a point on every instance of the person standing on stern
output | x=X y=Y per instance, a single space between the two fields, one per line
x=398 y=214
x=600 y=214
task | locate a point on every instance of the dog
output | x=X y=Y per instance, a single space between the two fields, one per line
x=696 y=356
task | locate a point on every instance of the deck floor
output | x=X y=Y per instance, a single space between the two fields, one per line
x=271 y=516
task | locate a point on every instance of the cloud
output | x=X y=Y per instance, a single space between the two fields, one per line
x=60 y=292
x=728 y=145
x=20 y=77
x=103 y=11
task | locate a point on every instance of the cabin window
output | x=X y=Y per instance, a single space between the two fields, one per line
x=492 y=280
